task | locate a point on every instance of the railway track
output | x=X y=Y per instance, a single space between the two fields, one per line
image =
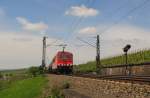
x=120 y=78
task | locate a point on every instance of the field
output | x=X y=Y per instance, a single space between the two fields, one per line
x=22 y=83
x=133 y=58
x=27 y=88
x=7 y=77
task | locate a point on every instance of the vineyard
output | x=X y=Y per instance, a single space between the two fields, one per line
x=133 y=58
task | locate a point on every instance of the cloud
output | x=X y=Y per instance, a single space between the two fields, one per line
x=23 y=50
x=27 y=25
x=82 y=11
x=116 y=38
x=23 y=39
x=112 y=41
x=126 y=32
x=88 y=30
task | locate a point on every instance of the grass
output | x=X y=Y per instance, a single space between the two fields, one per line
x=56 y=92
x=27 y=88
x=133 y=58
x=88 y=67
x=14 y=71
x=11 y=76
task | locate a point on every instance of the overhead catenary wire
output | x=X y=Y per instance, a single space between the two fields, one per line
x=124 y=16
x=52 y=43
x=118 y=9
x=86 y=42
x=76 y=24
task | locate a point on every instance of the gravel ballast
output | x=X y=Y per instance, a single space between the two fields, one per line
x=93 y=88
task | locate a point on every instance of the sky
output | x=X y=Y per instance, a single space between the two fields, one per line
x=23 y=23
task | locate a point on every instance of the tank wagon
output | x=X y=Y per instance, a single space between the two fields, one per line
x=62 y=63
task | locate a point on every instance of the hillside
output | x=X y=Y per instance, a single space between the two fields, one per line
x=133 y=58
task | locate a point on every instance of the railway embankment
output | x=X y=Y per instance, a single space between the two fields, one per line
x=93 y=88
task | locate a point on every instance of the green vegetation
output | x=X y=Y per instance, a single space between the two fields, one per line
x=133 y=58
x=14 y=71
x=27 y=88
x=35 y=71
x=66 y=85
x=56 y=92
x=88 y=67
x=4 y=84
x=1 y=76
x=9 y=79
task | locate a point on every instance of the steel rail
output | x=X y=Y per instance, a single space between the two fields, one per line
x=122 y=78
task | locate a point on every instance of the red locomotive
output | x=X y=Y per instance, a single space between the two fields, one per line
x=62 y=62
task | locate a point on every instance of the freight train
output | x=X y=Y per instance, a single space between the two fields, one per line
x=62 y=63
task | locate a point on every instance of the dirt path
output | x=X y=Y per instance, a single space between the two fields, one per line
x=71 y=93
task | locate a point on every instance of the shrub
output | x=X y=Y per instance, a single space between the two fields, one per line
x=41 y=70
x=34 y=71
x=66 y=85
x=1 y=75
x=56 y=93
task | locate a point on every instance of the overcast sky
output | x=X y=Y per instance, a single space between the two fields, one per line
x=23 y=23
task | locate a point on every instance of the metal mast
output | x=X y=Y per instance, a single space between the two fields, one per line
x=44 y=52
x=98 y=53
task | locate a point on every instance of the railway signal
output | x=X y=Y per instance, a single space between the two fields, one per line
x=125 y=50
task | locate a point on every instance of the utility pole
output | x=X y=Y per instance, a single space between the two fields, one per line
x=44 y=52
x=98 y=64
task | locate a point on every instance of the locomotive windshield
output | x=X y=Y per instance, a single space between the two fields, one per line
x=65 y=56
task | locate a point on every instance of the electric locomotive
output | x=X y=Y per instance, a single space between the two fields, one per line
x=62 y=63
